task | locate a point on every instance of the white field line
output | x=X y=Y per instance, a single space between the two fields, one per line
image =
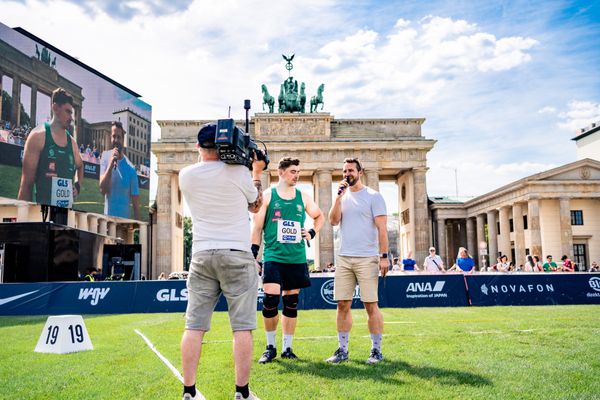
x=162 y=358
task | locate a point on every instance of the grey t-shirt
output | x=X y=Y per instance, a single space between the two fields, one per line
x=358 y=232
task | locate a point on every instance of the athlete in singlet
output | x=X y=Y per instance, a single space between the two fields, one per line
x=282 y=217
x=51 y=158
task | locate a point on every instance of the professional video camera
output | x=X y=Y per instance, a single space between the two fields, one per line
x=236 y=146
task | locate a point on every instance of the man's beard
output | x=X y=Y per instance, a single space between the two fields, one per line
x=351 y=180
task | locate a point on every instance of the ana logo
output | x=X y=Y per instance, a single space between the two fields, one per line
x=595 y=283
x=96 y=294
x=484 y=289
x=171 y=295
x=327 y=292
x=425 y=287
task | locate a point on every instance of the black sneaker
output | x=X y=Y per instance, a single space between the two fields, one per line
x=269 y=355
x=338 y=357
x=375 y=357
x=288 y=353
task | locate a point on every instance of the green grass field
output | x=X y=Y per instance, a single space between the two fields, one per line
x=431 y=353
x=90 y=200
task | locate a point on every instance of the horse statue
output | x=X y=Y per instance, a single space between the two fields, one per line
x=267 y=99
x=281 y=99
x=302 y=98
x=318 y=99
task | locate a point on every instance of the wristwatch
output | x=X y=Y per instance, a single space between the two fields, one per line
x=383 y=255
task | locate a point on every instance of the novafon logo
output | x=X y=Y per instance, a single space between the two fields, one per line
x=172 y=295
x=96 y=294
x=422 y=290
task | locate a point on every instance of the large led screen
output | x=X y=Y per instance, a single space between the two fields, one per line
x=70 y=136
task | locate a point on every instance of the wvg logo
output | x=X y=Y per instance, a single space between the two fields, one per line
x=327 y=292
x=96 y=294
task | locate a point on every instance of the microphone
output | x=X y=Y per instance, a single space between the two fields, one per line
x=116 y=158
x=341 y=188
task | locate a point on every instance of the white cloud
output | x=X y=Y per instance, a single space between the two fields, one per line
x=547 y=110
x=579 y=115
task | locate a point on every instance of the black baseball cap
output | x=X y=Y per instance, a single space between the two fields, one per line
x=206 y=136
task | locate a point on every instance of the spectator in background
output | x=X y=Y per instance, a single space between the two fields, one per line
x=503 y=265
x=396 y=265
x=81 y=148
x=538 y=265
x=594 y=267
x=568 y=265
x=529 y=264
x=162 y=276
x=549 y=265
x=409 y=263
x=464 y=262
x=433 y=262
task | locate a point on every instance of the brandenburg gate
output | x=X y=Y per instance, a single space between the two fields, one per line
x=389 y=149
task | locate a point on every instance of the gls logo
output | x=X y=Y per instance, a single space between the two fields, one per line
x=420 y=287
x=96 y=294
x=171 y=295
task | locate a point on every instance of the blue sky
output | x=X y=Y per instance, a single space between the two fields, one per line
x=503 y=85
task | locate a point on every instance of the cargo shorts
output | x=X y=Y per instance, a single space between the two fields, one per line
x=352 y=270
x=229 y=272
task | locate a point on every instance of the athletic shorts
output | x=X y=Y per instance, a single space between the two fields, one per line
x=352 y=270
x=230 y=272
x=288 y=276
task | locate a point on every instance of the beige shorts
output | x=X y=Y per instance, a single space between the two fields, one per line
x=352 y=270
x=230 y=272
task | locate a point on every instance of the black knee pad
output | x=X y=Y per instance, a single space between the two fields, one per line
x=290 y=305
x=270 y=304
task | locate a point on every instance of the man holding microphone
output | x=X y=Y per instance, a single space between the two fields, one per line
x=361 y=213
x=118 y=178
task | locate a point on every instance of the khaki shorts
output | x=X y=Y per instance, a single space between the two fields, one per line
x=352 y=270
x=230 y=272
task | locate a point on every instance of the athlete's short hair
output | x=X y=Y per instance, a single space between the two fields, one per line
x=119 y=125
x=286 y=162
x=354 y=161
x=60 y=96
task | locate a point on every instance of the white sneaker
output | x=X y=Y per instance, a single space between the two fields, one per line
x=238 y=396
x=198 y=396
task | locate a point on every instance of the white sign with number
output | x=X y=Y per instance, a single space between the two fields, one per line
x=64 y=334
x=288 y=231
x=62 y=192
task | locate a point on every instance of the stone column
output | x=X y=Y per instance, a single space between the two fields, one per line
x=82 y=221
x=442 y=249
x=102 y=226
x=92 y=223
x=23 y=213
x=471 y=238
x=517 y=210
x=32 y=113
x=492 y=236
x=480 y=229
x=112 y=229
x=533 y=215
x=421 y=220
x=164 y=224
x=16 y=99
x=504 y=242
x=566 y=231
x=324 y=253
x=144 y=243
x=1 y=89
x=373 y=178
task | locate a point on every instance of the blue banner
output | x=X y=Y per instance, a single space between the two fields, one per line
x=533 y=289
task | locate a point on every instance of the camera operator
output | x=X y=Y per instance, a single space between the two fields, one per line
x=219 y=196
